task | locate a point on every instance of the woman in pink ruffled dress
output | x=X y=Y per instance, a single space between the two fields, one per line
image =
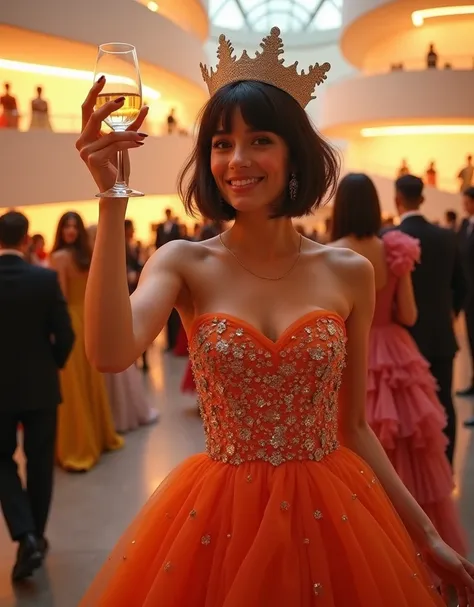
x=402 y=405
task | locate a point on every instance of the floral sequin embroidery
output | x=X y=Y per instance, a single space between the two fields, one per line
x=275 y=404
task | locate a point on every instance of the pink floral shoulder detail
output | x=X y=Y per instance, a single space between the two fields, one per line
x=402 y=252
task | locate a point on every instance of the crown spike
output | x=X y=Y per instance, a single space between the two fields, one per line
x=266 y=67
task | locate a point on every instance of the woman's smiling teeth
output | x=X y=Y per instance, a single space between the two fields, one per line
x=241 y=183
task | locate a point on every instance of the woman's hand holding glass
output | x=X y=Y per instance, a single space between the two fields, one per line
x=99 y=150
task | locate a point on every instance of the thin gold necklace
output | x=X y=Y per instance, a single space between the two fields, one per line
x=257 y=275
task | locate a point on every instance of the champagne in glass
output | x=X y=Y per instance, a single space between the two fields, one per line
x=118 y=62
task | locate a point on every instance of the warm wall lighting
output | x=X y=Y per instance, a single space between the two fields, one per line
x=71 y=74
x=152 y=6
x=418 y=17
x=421 y=129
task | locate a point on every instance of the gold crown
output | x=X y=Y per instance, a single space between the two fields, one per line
x=265 y=67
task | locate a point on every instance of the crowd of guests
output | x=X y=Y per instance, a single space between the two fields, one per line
x=44 y=360
x=465 y=176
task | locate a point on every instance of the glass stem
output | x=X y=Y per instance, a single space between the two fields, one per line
x=120 y=181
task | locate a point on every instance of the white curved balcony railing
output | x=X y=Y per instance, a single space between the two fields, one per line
x=72 y=123
x=428 y=97
x=43 y=167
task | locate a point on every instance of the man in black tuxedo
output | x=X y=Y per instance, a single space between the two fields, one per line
x=466 y=243
x=440 y=289
x=166 y=232
x=36 y=337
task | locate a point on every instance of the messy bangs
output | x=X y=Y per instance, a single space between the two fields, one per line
x=263 y=108
x=254 y=101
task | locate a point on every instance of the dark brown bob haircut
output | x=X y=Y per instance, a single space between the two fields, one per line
x=356 y=210
x=264 y=108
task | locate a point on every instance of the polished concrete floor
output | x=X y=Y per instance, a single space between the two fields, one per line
x=91 y=510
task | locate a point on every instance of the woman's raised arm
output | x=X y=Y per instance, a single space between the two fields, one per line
x=118 y=331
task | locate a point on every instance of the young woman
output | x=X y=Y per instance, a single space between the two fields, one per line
x=85 y=426
x=276 y=512
x=402 y=406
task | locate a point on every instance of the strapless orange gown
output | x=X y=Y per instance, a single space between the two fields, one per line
x=276 y=513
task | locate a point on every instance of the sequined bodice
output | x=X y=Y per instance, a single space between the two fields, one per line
x=264 y=400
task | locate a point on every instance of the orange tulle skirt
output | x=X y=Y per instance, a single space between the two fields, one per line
x=298 y=535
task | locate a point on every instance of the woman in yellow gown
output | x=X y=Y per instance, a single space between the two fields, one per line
x=85 y=426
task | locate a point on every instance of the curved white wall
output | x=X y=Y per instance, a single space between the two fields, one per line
x=421 y=97
x=352 y=11
x=42 y=167
x=160 y=41
x=370 y=26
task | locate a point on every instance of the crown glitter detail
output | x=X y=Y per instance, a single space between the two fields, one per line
x=265 y=67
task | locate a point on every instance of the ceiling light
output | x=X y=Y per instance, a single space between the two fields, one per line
x=152 y=6
x=69 y=73
x=418 y=17
x=421 y=129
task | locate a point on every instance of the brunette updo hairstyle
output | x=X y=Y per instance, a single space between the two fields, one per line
x=356 y=208
x=264 y=108
x=81 y=249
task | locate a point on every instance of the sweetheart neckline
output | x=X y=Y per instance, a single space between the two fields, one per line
x=200 y=318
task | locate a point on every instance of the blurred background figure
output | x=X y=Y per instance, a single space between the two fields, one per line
x=40 y=112
x=431 y=175
x=36 y=251
x=37 y=338
x=85 y=425
x=466 y=174
x=10 y=108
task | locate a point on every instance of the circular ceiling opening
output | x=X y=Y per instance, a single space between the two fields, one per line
x=288 y=15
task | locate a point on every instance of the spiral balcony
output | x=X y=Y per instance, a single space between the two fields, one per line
x=45 y=46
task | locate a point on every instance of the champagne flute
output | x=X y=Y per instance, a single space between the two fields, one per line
x=118 y=62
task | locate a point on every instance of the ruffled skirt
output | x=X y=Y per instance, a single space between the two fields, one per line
x=404 y=411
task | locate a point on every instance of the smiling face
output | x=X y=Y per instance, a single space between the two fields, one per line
x=250 y=167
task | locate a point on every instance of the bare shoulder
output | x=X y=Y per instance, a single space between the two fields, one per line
x=178 y=255
x=346 y=263
x=61 y=258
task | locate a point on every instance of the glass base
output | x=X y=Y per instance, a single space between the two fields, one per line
x=119 y=191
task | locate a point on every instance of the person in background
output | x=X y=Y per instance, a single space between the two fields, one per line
x=466 y=243
x=465 y=175
x=85 y=425
x=172 y=122
x=431 y=58
x=10 y=108
x=37 y=253
x=440 y=289
x=40 y=112
x=431 y=175
x=37 y=338
x=402 y=405
x=451 y=220
x=403 y=169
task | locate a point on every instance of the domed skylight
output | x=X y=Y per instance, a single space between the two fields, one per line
x=288 y=15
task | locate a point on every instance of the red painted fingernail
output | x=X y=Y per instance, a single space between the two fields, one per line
x=119 y=100
x=142 y=134
x=140 y=143
x=101 y=79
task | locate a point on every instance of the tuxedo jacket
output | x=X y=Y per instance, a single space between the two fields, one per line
x=36 y=335
x=466 y=246
x=162 y=237
x=439 y=286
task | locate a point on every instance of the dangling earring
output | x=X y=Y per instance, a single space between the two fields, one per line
x=293 y=187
